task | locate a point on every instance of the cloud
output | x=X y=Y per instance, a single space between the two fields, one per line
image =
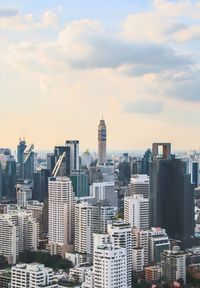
x=8 y=11
x=144 y=106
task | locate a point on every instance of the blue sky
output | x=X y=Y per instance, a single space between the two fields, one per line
x=64 y=63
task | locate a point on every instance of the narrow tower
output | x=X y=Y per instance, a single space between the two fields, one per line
x=102 y=142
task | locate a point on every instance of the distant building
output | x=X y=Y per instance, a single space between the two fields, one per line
x=104 y=191
x=153 y=273
x=102 y=142
x=80 y=183
x=24 y=193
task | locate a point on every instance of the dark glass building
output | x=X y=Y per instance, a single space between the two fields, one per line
x=80 y=183
x=172 y=198
x=195 y=174
x=40 y=186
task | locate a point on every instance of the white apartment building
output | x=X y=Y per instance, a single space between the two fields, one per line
x=19 y=232
x=138 y=259
x=61 y=214
x=139 y=184
x=173 y=263
x=24 y=193
x=8 y=239
x=141 y=239
x=32 y=276
x=121 y=236
x=136 y=211
x=90 y=219
x=110 y=266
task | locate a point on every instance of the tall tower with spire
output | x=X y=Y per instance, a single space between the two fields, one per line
x=102 y=142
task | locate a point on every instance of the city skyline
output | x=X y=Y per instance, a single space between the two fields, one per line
x=64 y=64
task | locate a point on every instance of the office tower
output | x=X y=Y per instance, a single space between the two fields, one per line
x=24 y=193
x=158 y=242
x=28 y=165
x=121 y=237
x=89 y=219
x=173 y=265
x=110 y=266
x=145 y=162
x=32 y=275
x=73 y=156
x=171 y=195
x=80 y=183
x=124 y=173
x=20 y=157
x=138 y=259
x=136 y=211
x=50 y=162
x=139 y=185
x=102 y=142
x=61 y=215
x=40 y=186
x=8 y=239
x=7 y=176
x=195 y=174
x=104 y=191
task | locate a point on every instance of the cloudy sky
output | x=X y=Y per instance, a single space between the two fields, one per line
x=65 y=63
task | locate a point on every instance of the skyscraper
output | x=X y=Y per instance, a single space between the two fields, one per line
x=102 y=142
x=171 y=195
x=61 y=215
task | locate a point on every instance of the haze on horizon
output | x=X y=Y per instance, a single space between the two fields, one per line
x=64 y=63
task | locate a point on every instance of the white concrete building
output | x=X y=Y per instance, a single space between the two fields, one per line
x=141 y=239
x=32 y=276
x=61 y=203
x=173 y=263
x=136 y=211
x=110 y=266
x=139 y=184
x=19 y=232
x=121 y=236
x=8 y=239
x=90 y=219
x=138 y=259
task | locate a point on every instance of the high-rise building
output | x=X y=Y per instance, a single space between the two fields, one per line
x=102 y=142
x=110 y=266
x=80 y=183
x=29 y=162
x=7 y=176
x=18 y=232
x=20 y=157
x=40 y=185
x=89 y=219
x=136 y=211
x=72 y=156
x=145 y=162
x=32 y=275
x=138 y=259
x=120 y=234
x=171 y=195
x=139 y=185
x=50 y=162
x=141 y=240
x=61 y=215
x=195 y=173
x=173 y=265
